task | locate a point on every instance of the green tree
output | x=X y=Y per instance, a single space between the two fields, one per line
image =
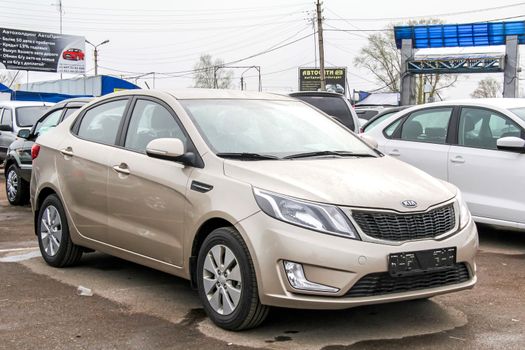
x=382 y=59
x=207 y=71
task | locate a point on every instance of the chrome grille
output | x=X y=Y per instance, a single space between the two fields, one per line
x=382 y=283
x=405 y=227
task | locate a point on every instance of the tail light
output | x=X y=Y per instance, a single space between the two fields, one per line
x=35 y=150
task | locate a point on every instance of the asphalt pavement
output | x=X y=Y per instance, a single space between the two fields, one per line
x=134 y=307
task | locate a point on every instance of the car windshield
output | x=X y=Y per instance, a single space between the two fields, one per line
x=520 y=112
x=27 y=116
x=270 y=128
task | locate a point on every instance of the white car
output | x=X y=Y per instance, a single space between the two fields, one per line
x=478 y=145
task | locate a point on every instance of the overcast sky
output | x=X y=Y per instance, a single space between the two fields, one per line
x=168 y=36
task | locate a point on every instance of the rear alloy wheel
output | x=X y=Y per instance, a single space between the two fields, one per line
x=226 y=281
x=56 y=246
x=16 y=188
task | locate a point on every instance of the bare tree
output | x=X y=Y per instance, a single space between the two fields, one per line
x=487 y=88
x=382 y=59
x=207 y=75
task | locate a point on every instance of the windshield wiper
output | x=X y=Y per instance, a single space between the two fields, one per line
x=247 y=156
x=328 y=153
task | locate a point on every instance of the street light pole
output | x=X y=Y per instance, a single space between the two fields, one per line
x=95 y=53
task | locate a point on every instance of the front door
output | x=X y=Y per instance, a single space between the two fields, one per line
x=147 y=196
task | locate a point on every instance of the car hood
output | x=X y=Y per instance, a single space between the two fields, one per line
x=381 y=182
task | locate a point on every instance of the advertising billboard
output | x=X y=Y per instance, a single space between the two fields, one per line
x=42 y=52
x=335 y=78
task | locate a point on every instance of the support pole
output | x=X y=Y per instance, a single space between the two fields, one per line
x=510 y=72
x=408 y=84
x=321 y=46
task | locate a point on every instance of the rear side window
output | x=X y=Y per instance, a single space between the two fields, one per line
x=101 y=123
x=429 y=125
x=150 y=121
x=333 y=106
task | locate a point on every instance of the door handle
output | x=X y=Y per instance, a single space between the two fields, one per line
x=457 y=159
x=394 y=153
x=122 y=168
x=68 y=151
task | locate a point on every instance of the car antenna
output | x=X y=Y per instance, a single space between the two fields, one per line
x=147 y=85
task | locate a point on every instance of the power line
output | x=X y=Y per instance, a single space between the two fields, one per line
x=449 y=14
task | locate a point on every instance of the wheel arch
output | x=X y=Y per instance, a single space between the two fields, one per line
x=204 y=231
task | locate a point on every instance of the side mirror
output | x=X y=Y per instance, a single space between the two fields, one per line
x=6 y=128
x=24 y=133
x=170 y=149
x=511 y=143
x=370 y=141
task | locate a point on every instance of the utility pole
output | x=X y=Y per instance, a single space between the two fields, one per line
x=321 y=46
x=95 y=53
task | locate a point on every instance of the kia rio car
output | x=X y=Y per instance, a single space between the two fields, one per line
x=258 y=199
x=478 y=145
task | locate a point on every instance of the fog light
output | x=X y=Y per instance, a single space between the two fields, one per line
x=297 y=279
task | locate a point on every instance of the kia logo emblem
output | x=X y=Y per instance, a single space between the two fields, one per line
x=409 y=204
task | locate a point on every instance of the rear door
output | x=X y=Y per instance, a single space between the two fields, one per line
x=147 y=196
x=83 y=165
x=492 y=180
x=421 y=139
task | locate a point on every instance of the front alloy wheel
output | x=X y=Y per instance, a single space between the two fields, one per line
x=12 y=185
x=222 y=279
x=227 y=283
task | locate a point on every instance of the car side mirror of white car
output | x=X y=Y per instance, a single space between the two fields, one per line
x=24 y=133
x=511 y=143
x=370 y=141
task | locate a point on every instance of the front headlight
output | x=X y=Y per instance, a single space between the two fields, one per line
x=464 y=213
x=314 y=216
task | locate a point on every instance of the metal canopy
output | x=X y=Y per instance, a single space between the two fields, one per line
x=460 y=35
x=457 y=64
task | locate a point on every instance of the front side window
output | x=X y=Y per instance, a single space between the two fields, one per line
x=101 y=123
x=7 y=118
x=150 y=121
x=429 y=125
x=277 y=128
x=481 y=128
x=50 y=121
x=26 y=117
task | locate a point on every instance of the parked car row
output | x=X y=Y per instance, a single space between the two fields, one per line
x=258 y=199
x=17 y=161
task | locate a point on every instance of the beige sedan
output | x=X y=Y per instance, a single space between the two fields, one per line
x=258 y=199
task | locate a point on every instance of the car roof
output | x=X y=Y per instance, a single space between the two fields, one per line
x=486 y=102
x=24 y=103
x=316 y=93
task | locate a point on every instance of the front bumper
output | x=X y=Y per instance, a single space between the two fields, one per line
x=337 y=262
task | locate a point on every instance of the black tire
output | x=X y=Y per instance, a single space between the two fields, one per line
x=249 y=312
x=21 y=195
x=68 y=253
